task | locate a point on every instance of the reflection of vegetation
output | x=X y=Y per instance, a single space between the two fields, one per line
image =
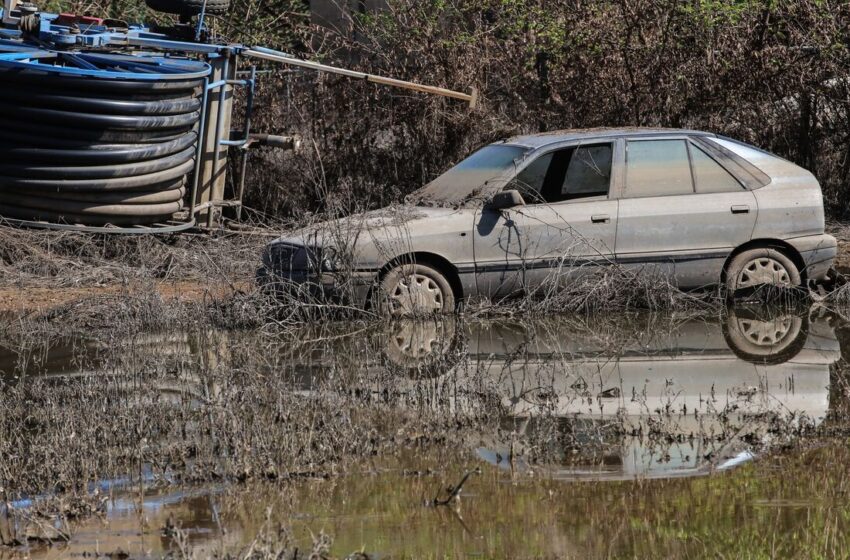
x=785 y=506
x=203 y=406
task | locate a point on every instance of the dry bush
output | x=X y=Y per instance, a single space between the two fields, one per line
x=62 y=259
x=774 y=74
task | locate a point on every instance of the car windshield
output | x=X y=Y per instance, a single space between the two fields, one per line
x=466 y=179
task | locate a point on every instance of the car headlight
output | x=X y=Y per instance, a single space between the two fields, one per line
x=284 y=257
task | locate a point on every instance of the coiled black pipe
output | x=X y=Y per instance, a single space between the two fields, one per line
x=96 y=151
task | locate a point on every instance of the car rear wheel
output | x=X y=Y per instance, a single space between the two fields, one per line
x=759 y=268
x=766 y=334
x=414 y=290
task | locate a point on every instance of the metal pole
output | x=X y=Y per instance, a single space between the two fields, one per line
x=284 y=58
x=249 y=109
x=201 y=22
x=222 y=96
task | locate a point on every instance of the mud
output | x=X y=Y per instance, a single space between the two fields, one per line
x=678 y=434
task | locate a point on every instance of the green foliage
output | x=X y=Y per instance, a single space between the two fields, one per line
x=275 y=23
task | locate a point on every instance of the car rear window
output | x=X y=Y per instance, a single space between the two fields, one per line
x=657 y=168
x=709 y=176
x=746 y=161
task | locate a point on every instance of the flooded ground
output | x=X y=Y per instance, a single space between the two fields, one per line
x=662 y=435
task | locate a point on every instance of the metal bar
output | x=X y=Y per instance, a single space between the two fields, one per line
x=164 y=44
x=284 y=58
x=249 y=110
x=222 y=97
x=199 y=152
x=201 y=22
x=220 y=83
x=242 y=173
x=217 y=204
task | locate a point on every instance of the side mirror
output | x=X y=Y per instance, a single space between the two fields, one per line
x=506 y=199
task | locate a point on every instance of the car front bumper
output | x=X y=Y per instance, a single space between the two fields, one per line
x=350 y=288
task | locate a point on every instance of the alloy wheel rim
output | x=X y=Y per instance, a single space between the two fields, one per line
x=765 y=333
x=417 y=340
x=764 y=271
x=416 y=294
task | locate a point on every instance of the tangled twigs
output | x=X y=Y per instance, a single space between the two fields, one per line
x=454 y=491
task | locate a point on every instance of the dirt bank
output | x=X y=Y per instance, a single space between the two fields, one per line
x=20 y=300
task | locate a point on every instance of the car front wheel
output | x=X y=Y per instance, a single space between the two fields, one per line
x=759 y=268
x=414 y=290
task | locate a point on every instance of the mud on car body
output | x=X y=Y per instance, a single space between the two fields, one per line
x=698 y=208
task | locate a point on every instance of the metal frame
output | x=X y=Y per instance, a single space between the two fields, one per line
x=17 y=51
x=242 y=143
x=8 y=7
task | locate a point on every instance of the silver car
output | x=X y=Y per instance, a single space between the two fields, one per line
x=519 y=214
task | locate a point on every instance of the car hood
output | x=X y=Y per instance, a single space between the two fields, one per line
x=393 y=221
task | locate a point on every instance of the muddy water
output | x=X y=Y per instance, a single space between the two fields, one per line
x=666 y=436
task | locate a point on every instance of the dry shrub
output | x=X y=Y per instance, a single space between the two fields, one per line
x=601 y=290
x=62 y=259
x=774 y=74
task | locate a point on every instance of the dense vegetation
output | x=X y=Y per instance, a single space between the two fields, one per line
x=770 y=72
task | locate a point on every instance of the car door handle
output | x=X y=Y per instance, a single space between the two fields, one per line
x=600 y=218
x=740 y=209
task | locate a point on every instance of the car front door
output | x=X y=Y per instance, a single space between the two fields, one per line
x=681 y=211
x=567 y=225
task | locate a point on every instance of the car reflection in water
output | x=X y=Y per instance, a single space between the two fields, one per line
x=685 y=399
x=645 y=397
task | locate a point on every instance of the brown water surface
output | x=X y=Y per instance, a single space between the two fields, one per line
x=640 y=436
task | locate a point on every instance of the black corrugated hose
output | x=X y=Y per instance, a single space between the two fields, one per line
x=95 y=151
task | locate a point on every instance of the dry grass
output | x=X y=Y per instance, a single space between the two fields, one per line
x=35 y=258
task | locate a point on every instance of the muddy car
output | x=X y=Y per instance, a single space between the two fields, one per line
x=515 y=216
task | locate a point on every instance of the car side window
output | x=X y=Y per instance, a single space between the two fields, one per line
x=657 y=168
x=572 y=173
x=709 y=176
x=530 y=180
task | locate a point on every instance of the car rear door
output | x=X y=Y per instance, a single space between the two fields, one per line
x=567 y=225
x=681 y=212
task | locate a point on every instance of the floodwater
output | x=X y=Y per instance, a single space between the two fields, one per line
x=664 y=436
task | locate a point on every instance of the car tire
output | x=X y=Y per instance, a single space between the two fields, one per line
x=758 y=268
x=414 y=290
x=417 y=349
x=189 y=7
x=766 y=335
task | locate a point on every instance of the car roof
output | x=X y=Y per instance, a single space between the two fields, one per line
x=557 y=136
